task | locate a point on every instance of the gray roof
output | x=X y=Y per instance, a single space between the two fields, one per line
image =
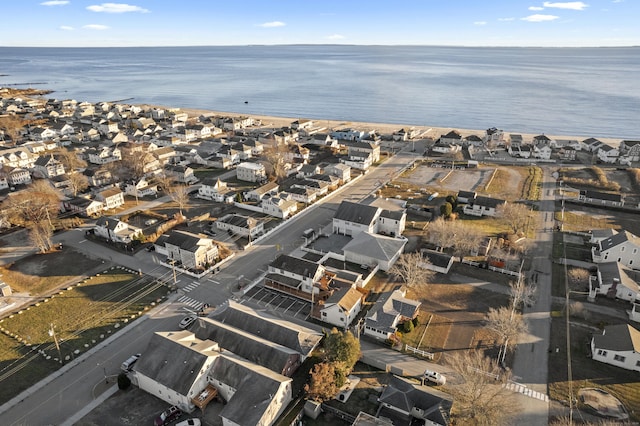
x=404 y=395
x=295 y=265
x=254 y=387
x=598 y=195
x=618 y=239
x=356 y=213
x=185 y=240
x=288 y=334
x=249 y=346
x=436 y=258
x=487 y=201
x=375 y=246
x=171 y=363
x=620 y=337
x=388 y=307
x=107 y=222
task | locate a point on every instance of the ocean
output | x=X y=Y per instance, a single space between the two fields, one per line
x=591 y=92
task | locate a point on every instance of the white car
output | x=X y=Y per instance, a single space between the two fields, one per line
x=435 y=377
x=187 y=321
x=189 y=422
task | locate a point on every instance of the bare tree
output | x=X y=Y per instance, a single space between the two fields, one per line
x=179 y=193
x=78 y=182
x=481 y=398
x=412 y=268
x=466 y=238
x=517 y=216
x=137 y=163
x=276 y=157
x=522 y=293
x=69 y=159
x=578 y=278
x=508 y=323
x=441 y=233
x=34 y=209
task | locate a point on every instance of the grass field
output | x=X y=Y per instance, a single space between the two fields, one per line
x=80 y=316
x=584 y=222
x=40 y=274
x=432 y=338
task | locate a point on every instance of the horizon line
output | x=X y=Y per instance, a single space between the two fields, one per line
x=327 y=44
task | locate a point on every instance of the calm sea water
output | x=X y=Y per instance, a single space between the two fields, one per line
x=559 y=91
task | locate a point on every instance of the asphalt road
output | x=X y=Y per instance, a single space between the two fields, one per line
x=78 y=384
x=530 y=365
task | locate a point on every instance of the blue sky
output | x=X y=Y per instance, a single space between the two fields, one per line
x=416 y=22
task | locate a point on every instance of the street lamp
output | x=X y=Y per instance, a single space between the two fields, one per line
x=52 y=333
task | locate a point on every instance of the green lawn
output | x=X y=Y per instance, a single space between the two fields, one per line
x=81 y=316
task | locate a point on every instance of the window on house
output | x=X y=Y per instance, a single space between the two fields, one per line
x=324 y=314
x=619 y=358
x=622 y=248
x=637 y=363
x=602 y=353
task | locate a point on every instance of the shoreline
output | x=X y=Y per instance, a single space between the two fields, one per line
x=383 y=128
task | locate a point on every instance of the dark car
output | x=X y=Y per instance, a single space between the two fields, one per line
x=170 y=414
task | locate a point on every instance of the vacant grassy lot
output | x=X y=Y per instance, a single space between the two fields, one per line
x=584 y=222
x=41 y=274
x=430 y=336
x=81 y=316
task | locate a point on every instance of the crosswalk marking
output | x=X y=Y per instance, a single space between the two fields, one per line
x=192 y=286
x=192 y=303
x=517 y=387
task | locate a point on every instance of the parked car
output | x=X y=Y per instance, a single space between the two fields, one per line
x=150 y=222
x=187 y=321
x=126 y=366
x=435 y=377
x=167 y=416
x=189 y=422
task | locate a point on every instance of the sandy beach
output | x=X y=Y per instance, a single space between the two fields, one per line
x=382 y=128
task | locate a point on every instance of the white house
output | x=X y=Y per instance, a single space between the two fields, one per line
x=630 y=149
x=340 y=170
x=104 y=155
x=112 y=198
x=216 y=190
x=352 y=218
x=342 y=307
x=618 y=345
x=615 y=280
x=279 y=206
x=608 y=154
x=483 y=206
x=251 y=172
x=298 y=277
x=245 y=226
x=264 y=191
x=601 y=198
x=111 y=229
x=391 y=309
x=191 y=251
x=622 y=247
x=141 y=188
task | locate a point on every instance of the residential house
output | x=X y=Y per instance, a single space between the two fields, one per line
x=83 y=206
x=622 y=247
x=141 y=188
x=363 y=149
x=357 y=161
x=615 y=281
x=298 y=277
x=451 y=138
x=280 y=206
x=566 y=143
x=308 y=170
x=390 y=310
x=112 y=198
x=591 y=144
x=320 y=187
x=17 y=157
x=216 y=190
x=15 y=175
x=112 y=229
x=352 y=218
x=323 y=140
x=98 y=177
x=244 y=226
x=438 y=261
x=189 y=250
x=567 y=153
x=269 y=189
x=106 y=127
x=251 y=172
x=543 y=152
x=347 y=134
x=630 y=149
x=542 y=140
x=104 y=155
x=374 y=250
x=465 y=196
x=601 y=198
x=515 y=141
x=180 y=173
x=47 y=166
x=230 y=153
x=342 y=307
x=618 y=345
x=473 y=140
x=341 y=171
x=445 y=148
x=302 y=124
x=304 y=195
x=483 y=206
x=608 y=154
x=493 y=135
x=409 y=403
x=4 y=182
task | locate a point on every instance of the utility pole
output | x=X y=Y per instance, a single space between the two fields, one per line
x=52 y=333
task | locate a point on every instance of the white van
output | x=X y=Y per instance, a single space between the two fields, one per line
x=434 y=377
x=126 y=366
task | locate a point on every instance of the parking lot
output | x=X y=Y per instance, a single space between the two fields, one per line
x=278 y=302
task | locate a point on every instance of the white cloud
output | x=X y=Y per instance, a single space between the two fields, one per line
x=54 y=3
x=617 y=1
x=506 y=19
x=272 y=24
x=480 y=23
x=95 y=27
x=116 y=8
x=66 y=28
x=539 y=18
x=573 y=5
x=536 y=8
x=335 y=37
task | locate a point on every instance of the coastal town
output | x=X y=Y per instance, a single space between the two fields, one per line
x=172 y=266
